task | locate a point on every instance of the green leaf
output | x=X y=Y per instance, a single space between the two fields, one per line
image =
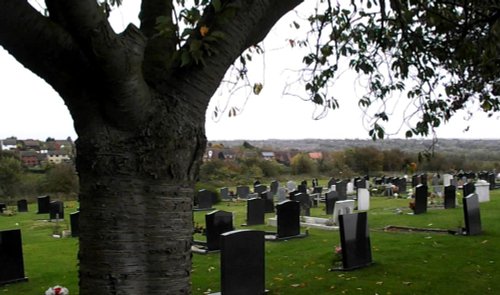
x=217 y=5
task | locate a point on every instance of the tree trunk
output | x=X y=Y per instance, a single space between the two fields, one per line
x=136 y=193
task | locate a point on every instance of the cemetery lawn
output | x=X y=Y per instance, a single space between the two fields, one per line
x=404 y=262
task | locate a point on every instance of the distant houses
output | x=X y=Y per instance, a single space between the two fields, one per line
x=216 y=151
x=35 y=153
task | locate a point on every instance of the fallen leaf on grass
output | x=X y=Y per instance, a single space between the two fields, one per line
x=302 y=285
x=319 y=278
x=278 y=279
x=379 y=283
x=407 y=283
x=484 y=242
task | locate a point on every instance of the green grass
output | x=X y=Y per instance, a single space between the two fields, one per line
x=405 y=263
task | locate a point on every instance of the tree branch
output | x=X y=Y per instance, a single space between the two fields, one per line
x=161 y=46
x=251 y=23
x=119 y=59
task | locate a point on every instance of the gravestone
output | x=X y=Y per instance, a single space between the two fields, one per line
x=305 y=203
x=56 y=210
x=355 y=240
x=268 y=201
x=3 y=207
x=468 y=188
x=258 y=189
x=363 y=199
x=255 y=211
x=281 y=194
x=423 y=179
x=341 y=188
x=22 y=205
x=302 y=188
x=472 y=215
x=288 y=220
x=401 y=184
x=482 y=190
x=447 y=179
x=242 y=191
x=291 y=185
x=350 y=188
x=43 y=204
x=217 y=223
x=242 y=262
x=415 y=180
x=273 y=187
x=204 y=200
x=74 y=219
x=331 y=182
x=361 y=183
x=330 y=199
x=342 y=207
x=420 y=199
x=450 y=197
x=11 y=257
x=224 y=194
x=491 y=180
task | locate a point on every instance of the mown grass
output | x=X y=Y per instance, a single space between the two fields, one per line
x=404 y=263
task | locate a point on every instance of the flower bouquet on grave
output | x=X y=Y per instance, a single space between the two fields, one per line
x=337 y=257
x=57 y=290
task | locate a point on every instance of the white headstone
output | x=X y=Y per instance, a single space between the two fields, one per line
x=447 y=179
x=281 y=194
x=363 y=199
x=291 y=185
x=483 y=190
x=350 y=188
x=342 y=207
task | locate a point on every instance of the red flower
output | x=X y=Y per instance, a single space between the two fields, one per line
x=57 y=291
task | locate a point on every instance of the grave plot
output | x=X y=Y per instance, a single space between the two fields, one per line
x=11 y=257
x=355 y=241
x=216 y=223
x=203 y=201
x=287 y=221
x=242 y=263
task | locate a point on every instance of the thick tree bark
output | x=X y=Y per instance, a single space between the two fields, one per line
x=140 y=125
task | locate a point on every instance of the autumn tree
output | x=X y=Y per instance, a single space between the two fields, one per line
x=138 y=100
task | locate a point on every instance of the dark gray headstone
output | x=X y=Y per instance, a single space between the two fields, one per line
x=242 y=191
x=491 y=180
x=423 y=179
x=302 y=188
x=217 y=223
x=331 y=182
x=259 y=189
x=11 y=257
x=305 y=203
x=355 y=240
x=242 y=262
x=450 y=196
x=255 y=211
x=74 y=219
x=415 y=180
x=341 y=188
x=204 y=199
x=472 y=215
x=330 y=199
x=224 y=194
x=268 y=201
x=56 y=210
x=274 y=187
x=360 y=183
x=22 y=205
x=468 y=188
x=3 y=207
x=288 y=219
x=420 y=199
x=43 y=204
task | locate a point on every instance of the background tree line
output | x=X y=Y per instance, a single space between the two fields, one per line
x=18 y=181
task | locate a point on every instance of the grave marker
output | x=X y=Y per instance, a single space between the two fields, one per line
x=472 y=215
x=355 y=240
x=11 y=257
x=22 y=205
x=43 y=204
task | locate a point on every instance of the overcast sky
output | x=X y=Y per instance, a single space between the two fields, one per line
x=30 y=108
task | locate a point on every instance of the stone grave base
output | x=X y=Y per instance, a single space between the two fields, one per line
x=200 y=247
x=341 y=268
x=273 y=237
x=25 y=279
x=308 y=221
x=204 y=209
x=409 y=229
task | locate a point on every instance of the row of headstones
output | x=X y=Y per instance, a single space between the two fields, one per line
x=245 y=274
x=55 y=209
x=471 y=202
x=463 y=178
